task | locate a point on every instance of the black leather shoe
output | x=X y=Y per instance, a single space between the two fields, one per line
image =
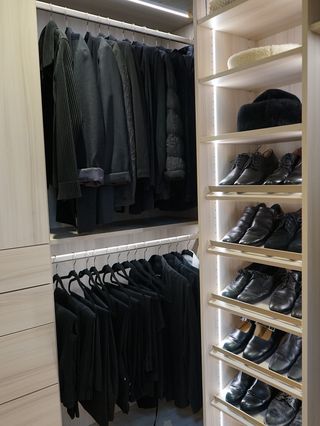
x=236 y=233
x=298 y=419
x=295 y=178
x=258 y=168
x=297 y=309
x=284 y=297
x=262 y=345
x=238 y=284
x=239 y=338
x=286 y=354
x=238 y=388
x=282 y=410
x=237 y=169
x=296 y=244
x=295 y=372
x=263 y=224
x=260 y=286
x=257 y=398
x=285 y=232
x=286 y=166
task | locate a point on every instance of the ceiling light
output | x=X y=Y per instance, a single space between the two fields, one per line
x=161 y=8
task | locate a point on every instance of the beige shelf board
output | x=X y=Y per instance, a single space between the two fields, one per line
x=284 y=68
x=290 y=133
x=259 y=371
x=255 y=193
x=255 y=19
x=279 y=258
x=259 y=312
x=315 y=27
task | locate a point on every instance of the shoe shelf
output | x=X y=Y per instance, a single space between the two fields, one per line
x=290 y=133
x=265 y=256
x=259 y=371
x=255 y=193
x=277 y=70
x=241 y=18
x=233 y=411
x=259 y=312
x=315 y=27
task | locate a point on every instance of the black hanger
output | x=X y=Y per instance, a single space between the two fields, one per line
x=57 y=280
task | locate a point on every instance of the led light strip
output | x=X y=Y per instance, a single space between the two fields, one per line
x=161 y=8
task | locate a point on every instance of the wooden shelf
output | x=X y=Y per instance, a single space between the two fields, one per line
x=259 y=312
x=279 y=258
x=243 y=418
x=315 y=27
x=290 y=133
x=255 y=193
x=259 y=371
x=255 y=19
x=277 y=70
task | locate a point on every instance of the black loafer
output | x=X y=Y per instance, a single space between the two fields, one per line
x=284 y=297
x=286 y=166
x=260 y=287
x=296 y=243
x=238 y=284
x=285 y=232
x=239 y=338
x=295 y=372
x=258 y=168
x=298 y=419
x=295 y=178
x=238 y=388
x=236 y=170
x=236 y=233
x=263 y=224
x=262 y=345
x=257 y=398
x=286 y=354
x=282 y=410
x=297 y=309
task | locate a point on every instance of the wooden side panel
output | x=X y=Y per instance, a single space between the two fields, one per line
x=24 y=210
x=24 y=267
x=37 y=409
x=28 y=362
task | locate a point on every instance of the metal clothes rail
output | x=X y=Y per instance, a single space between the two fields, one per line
x=49 y=7
x=118 y=249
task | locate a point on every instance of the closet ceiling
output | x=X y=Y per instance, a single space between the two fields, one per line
x=123 y=10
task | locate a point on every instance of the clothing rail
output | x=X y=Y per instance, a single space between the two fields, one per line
x=111 y=22
x=118 y=249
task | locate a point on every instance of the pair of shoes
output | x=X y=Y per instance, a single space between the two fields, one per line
x=255 y=225
x=285 y=298
x=282 y=410
x=256 y=341
x=284 y=235
x=287 y=357
x=253 y=395
x=288 y=172
x=251 y=169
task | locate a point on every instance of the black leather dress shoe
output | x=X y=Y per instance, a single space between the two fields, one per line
x=260 y=287
x=238 y=284
x=238 y=388
x=295 y=178
x=298 y=419
x=263 y=224
x=286 y=354
x=286 y=166
x=258 y=168
x=262 y=345
x=239 y=338
x=285 y=232
x=237 y=169
x=297 y=309
x=284 y=297
x=257 y=398
x=282 y=410
x=236 y=233
x=295 y=372
x=296 y=243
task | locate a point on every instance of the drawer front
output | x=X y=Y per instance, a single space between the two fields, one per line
x=24 y=267
x=40 y=408
x=28 y=362
x=23 y=309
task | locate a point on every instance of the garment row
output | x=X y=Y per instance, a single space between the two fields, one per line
x=130 y=332
x=119 y=124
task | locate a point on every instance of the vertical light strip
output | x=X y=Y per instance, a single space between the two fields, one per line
x=161 y=8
